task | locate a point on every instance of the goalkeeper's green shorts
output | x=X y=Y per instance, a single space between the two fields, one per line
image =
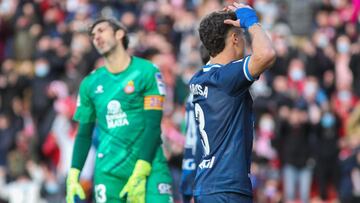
x=107 y=186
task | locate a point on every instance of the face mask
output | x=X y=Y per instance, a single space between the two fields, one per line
x=323 y=41
x=310 y=89
x=260 y=88
x=297 y=74
x=51 y=187
x=76 y=46
x=343 y=47
x=328 y=120
x=41 y=70
x=335 y=3
x=344 y=95
x=266 y=125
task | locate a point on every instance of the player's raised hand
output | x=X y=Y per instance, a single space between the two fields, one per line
x=246 y=16
x=73 y=186
x=134 y=190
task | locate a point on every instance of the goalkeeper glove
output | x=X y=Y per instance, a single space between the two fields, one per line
x=134 y=190
x=73 y=186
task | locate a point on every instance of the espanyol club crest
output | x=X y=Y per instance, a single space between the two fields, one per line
x=129 y=88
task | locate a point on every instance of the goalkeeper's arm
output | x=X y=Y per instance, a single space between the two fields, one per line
x=151 y=138
x=134 y=190
x=80 y=152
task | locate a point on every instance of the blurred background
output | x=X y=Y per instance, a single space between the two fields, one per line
x=307 y=105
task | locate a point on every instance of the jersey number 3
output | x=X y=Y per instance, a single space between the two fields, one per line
x=199 y=115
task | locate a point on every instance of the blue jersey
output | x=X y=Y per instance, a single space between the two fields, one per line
x=192 y=150
x=224 y=116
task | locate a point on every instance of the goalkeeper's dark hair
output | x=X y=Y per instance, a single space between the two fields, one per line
x=213 y=31
x=116 y=25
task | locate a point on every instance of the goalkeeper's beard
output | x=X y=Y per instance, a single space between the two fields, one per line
x=108 y=52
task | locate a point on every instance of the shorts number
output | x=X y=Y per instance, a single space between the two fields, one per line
x=100 y=193
x=199 y=114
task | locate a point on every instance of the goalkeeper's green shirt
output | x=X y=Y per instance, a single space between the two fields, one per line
x=116 y=102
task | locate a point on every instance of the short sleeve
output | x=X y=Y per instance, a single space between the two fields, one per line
x=154 y=90
x=85 y=110
x=235 y=77
x=154 y=82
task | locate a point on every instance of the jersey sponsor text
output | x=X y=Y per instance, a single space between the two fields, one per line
x=197 y=89
x=115 y=116
x=188 y=164
x=207 y=163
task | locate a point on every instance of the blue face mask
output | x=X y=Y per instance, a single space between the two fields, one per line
x=41 y=70
x=344 y=95
x=343 y=48
x=328 y=120
x=51 y=187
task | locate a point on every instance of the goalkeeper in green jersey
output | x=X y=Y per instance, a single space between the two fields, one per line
x=125 y=100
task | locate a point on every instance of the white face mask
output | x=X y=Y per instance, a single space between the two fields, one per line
x=260 y=88
x=297 y=74
x=76 y=46
x=267 y=124
x=323 y=41
x=310 y=89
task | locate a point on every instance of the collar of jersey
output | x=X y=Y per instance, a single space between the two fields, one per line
x=209 y=66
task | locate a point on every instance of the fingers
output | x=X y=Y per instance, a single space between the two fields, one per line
x=230 y=8
x=123 y=193
x=235 y=23
x=235 y=6
x=80 y=193
x=240 y=5
x=73 y=191
x=70 y=199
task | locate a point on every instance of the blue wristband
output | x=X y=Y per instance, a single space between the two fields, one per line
x=247 y=17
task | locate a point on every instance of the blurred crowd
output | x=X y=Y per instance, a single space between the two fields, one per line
x=307 y=137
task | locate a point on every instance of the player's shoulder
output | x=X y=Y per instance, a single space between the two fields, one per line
x=94 y=74
x=237 y=62
x=195 y=77
x=144 y=64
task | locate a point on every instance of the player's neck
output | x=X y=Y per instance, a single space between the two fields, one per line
x=118 y=61
x=224 y=57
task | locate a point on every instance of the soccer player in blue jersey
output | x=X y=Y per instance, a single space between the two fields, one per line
x=223 y=104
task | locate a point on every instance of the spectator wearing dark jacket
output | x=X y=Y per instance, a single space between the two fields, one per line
x=327 y=151
x=293 y=142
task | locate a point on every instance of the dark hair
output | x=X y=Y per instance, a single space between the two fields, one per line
x=116 y=25
x=204 y=53
x=213 y=31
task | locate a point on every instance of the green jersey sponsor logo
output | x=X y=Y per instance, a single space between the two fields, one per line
x=115 y=116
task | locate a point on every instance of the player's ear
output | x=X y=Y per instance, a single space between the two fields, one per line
x=234 y=38
x=119 y=34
